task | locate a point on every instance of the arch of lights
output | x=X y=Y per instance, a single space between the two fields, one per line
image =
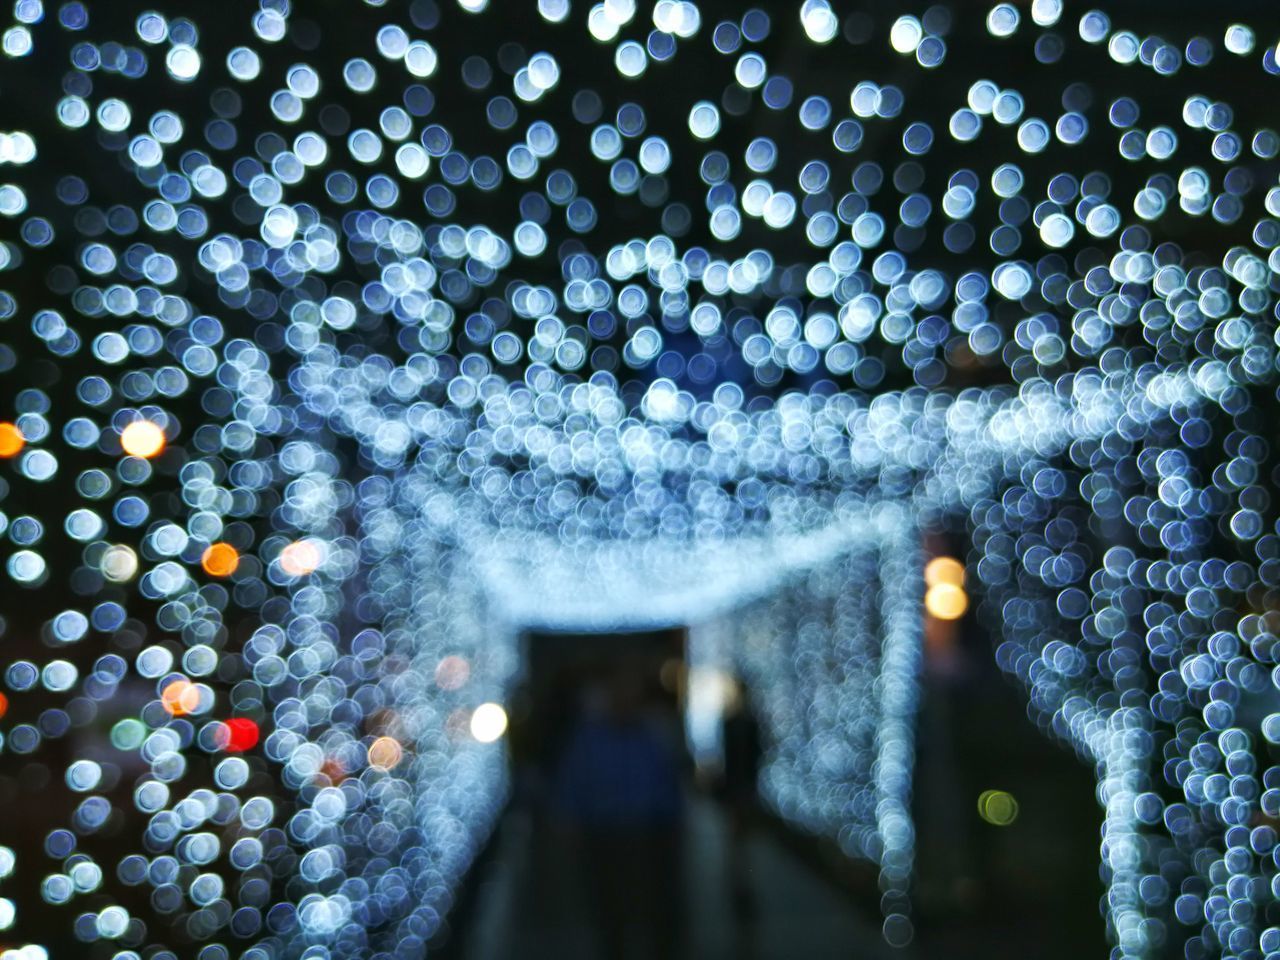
x=339 y=345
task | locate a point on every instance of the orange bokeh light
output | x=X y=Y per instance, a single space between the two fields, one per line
x=385 y=753
x=220 y=559
x=11 y=440
x=944 y=570
x=4 y=705
x=180 y=697
x=301 y=558
x=142 y=438
x=331 y=770
x=452 y=673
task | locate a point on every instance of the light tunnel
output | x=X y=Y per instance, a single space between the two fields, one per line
x=343 y=344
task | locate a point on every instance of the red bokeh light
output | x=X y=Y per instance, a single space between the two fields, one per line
x=242 y=734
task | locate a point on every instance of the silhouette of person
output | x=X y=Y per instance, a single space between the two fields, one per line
x=618 y=792
x=738 y=792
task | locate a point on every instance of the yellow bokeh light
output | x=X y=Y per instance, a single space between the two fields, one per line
x=385 y=753
x=946 y=601
x=488 y=722
x=997 y=807
x=119 y=563
x=944 y=570
x=142 y=438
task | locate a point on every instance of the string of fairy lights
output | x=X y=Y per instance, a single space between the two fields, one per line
x=337 y=346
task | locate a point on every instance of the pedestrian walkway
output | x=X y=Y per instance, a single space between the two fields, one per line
x=528 y=903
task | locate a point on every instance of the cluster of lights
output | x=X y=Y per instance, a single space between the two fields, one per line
x=829 y=651
x=331 y=373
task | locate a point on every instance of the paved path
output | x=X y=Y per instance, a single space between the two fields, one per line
x=527 y=907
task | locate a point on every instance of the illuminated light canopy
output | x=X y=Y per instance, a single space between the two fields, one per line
x=455 y=350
